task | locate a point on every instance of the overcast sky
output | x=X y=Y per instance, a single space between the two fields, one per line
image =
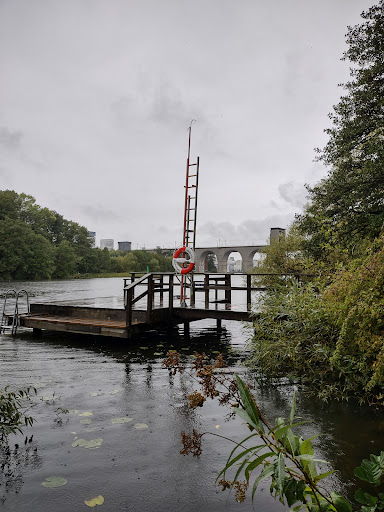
x=96 y=97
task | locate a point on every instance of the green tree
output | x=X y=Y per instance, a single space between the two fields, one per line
x=23 y=253
x=65 y=261
x=347 y=207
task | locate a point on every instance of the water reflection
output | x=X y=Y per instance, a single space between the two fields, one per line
x=142 y=469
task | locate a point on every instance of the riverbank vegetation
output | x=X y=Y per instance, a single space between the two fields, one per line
x=38 y=243
x=272 y=451
x=328 y=331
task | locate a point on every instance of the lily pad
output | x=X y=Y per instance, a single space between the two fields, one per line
x=47 y=398
x=86 y=421
x=185 y=348
x=143 y=348
x=160 y=345
x=140 y=426
x=86 y=414
x=90 y=444
x=99 y=500
x=73 y=411
x=96 y=394
x=124 y=419
x=157 y=354
x=54 y=481
x=114 y=391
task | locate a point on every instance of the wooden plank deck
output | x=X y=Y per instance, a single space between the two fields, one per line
x=141 y=311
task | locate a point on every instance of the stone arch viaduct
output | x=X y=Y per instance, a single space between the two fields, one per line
x=222 y=253
x=247 y=253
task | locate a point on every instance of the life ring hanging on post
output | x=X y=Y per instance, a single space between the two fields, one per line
x=177 y=260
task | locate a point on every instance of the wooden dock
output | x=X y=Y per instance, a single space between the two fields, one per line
x=150 y=302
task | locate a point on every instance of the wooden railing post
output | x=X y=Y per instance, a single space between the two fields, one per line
x=170 y=294
x=206 y=286
x=249 y=292
x=132 y=281
x=227 y=283
x=150 y=298
x=128 y=307
x=161 y=290
x=192 y=291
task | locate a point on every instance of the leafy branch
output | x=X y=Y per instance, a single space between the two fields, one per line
x=273 y=453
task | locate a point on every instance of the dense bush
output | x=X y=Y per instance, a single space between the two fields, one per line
x=293 y=336
x=356 y=302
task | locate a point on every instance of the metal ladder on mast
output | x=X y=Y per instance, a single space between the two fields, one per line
x=190 y=215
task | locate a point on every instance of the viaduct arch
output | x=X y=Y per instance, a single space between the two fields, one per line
x=222 y=253
x=247 y=253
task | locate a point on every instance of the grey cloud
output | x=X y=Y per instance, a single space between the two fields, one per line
x=9 y=139
x=248 y=232
x=293 y=193
x=98 y=213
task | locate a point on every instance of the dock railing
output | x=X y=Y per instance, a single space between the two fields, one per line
x=164 y=285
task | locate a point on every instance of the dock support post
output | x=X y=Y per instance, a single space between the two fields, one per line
x=186 y=329
x=218 y=324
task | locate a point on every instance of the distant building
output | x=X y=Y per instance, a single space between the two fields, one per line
x=124 y=246
x=276 y=234
x=92 y=237
x=238 y=265
x=107 y=243
x=231 y=265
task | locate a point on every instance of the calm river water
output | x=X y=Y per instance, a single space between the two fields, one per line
x=137 y=465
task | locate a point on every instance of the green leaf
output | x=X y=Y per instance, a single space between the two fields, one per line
x=369 y=471
x=267 y=472
x=245 y=416
x=239 y=456
x=249 y=403
x=281 y=431
x=256 y=448
x=280 y=472
x=365 y=498
x=293 y=408
x=323 y=475
x=253 y=464
x=340 y=503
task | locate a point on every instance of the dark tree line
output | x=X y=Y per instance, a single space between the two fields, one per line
x=39 y=243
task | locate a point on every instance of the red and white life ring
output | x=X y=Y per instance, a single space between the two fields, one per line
x=177 y=261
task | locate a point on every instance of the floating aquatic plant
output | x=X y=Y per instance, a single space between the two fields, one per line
x=140 y=426
x=54 y=481
x=86 y=413
x=124 y=419
x=90 y=444
x=99 y=500
x=86 y=421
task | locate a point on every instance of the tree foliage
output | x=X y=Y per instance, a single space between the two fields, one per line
x=346 y=208
x=38 y=243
